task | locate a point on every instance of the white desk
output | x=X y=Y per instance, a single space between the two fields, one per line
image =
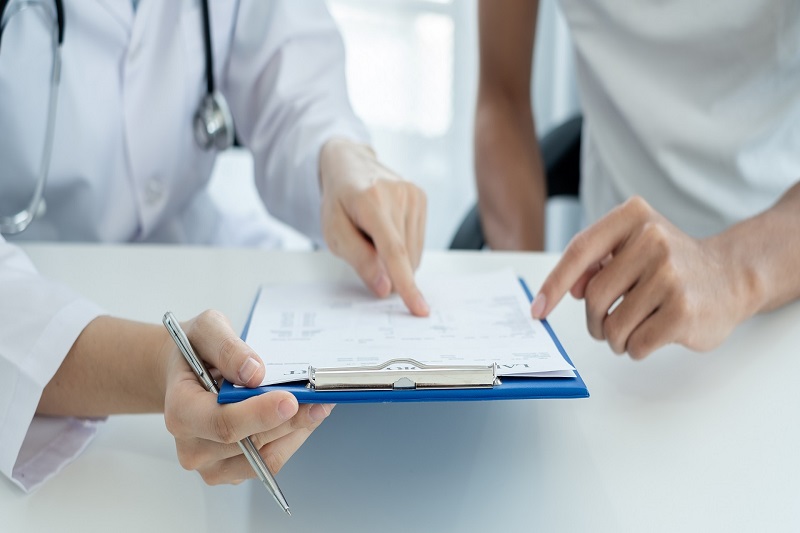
x=679 y=442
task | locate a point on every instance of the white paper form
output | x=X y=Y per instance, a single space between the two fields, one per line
x=475 y=319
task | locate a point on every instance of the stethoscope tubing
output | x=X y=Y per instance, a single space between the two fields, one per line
x=17 y=223
x=213 y=122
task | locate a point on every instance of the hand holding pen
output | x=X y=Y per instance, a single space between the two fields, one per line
x=208 y=434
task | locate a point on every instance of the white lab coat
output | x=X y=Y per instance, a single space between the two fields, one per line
x=125 y=167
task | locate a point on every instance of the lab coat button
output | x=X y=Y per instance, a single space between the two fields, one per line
x=154 y=191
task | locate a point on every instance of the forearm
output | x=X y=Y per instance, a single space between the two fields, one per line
x=508 y=165
x=764 y=252
x=115 y=366
x=509 y=174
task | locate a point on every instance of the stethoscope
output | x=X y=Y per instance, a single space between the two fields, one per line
x=213 y=123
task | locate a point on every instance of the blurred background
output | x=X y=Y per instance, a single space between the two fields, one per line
x=412 y=68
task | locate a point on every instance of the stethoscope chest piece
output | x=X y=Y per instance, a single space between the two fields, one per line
x=213 y=123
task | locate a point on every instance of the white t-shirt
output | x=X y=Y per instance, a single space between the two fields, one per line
x=693 y=105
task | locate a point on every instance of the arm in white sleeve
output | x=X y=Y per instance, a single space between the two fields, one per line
x=39 y=322
x=285 y=83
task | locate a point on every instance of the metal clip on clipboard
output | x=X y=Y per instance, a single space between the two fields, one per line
x=402 y=374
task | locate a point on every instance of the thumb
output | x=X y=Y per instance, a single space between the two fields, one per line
x=218 y=345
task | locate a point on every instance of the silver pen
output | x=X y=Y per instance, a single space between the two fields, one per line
x=246 y=444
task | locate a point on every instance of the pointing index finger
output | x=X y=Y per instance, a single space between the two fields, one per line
x=393 y=253
x=586 y=249
x=398 y=264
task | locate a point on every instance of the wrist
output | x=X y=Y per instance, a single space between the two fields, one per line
x=337 y=144
x=341 y=153
x=747 y=282
x=500 y=239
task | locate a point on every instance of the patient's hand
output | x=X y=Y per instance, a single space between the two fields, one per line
x=647 y=284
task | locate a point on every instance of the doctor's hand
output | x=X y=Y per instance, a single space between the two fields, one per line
x=206 y=433
x=671 y=288
x=373 y=219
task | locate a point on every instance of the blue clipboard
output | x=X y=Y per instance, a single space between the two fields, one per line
x=511 y=388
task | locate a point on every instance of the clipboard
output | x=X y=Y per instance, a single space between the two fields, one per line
x=407 y=380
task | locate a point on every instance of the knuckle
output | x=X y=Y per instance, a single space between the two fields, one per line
x=592 y=325
x=592 y=292
x=682 y=307
x=212 y=477
x=373 y=194
x=188 y=457
x=578 y=246
x=299 y=421
x=639 y=347
x=210 y=318
x=364 y=260
x=595 y=310
x=367 y=219
x=635 y=354
x=229 y=349
x=175 y=418
x=259 y=440
x=636 y=207
x=396 y=249
x=670 y=277
x=173 y=423
x=657 y=240
x=275 y=459
x=595 y=333
x=636 y=351
x=613 y=333
x=303 y=421
x=223 y=427
x=267 y=418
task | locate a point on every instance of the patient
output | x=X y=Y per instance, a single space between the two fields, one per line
x=690 y=163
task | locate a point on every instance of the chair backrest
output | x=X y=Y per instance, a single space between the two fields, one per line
x=561 y=155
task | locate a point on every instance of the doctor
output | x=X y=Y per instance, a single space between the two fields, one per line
x=146 y=95
x=690 y=167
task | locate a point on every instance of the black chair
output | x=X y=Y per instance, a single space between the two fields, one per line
x=561 y=155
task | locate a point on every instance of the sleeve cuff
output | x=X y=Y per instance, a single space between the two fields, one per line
x=18 y=453
x=50 y=444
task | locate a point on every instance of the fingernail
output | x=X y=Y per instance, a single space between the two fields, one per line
x=248 y=370
x=382 y=285
x=286 y=409
x=537 y=309
x=317 y=412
